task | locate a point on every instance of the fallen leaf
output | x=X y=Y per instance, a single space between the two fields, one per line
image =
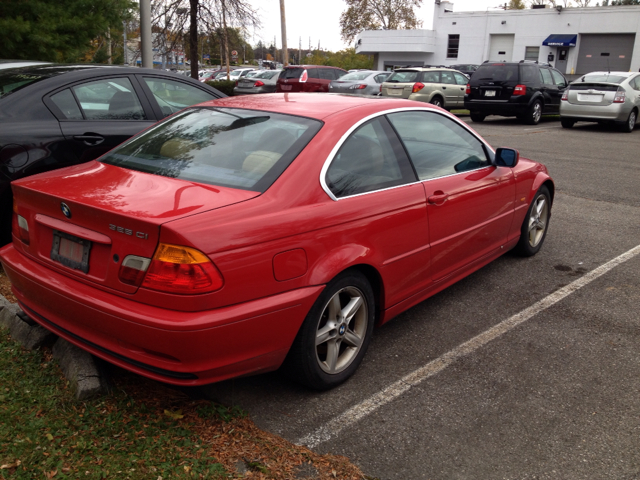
x=175 y=415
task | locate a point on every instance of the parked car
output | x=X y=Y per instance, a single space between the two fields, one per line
x=53 y=116
x=442 y=87
x=360 y=82
x=256 y=231
x=262 y=82
x=526 y=90
x=20 y=63
x=605 y=97
x=465 y=68
x=307 y=78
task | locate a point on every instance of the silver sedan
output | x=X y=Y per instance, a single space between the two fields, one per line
x=603 y=97
x=362 y=82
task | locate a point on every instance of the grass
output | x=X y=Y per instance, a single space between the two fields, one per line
x=140 y=430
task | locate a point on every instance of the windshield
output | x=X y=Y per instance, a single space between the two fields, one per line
x=12 y=80
x=355 y=76
x=603 y=77
x=228 y=147
x=399 y=76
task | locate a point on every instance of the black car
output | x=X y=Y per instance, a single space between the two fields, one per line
x=53 y=116
x=526 y=90
x=465 y=68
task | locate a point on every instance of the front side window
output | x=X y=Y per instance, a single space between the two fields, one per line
x=452 y=46
x=173 y=96
x=109 y=99
x=228 y=147
x=437 y=145
x=558 y=78
x=368 y=160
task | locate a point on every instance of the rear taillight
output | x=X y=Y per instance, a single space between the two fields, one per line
x=520 y=90
x=357 y=87
x=181 y=270
x=621 y=96
x=236 y=83
x=133 y=269
x=565 y=96
x=258 y=84
x=304 y=76
x=468 y=90
x=417 y=87
x=19 y=225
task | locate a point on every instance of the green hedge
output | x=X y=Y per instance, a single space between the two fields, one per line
x=225 y=86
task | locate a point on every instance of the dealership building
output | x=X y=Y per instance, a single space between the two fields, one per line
x=574 y=40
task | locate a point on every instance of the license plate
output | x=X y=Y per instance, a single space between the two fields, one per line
x=489 y=93
x=591 y=98
x=396 y=91
x=285 y=87
x=71 y=251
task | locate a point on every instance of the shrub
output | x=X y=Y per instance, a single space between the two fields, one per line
x=225 y=86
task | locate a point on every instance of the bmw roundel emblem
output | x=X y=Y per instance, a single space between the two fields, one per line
x=342 y=329
x=65 y=209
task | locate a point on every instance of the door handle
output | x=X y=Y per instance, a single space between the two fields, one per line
x=438 y=198
x=444 y=88
x=89 y=139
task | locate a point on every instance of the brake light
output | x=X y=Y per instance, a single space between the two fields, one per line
x=304 y=76
x=621 y=95
x=417 y=87
x=520 y=90
x=468 y=90
x=258 y=83
x=182 y=270
x=236 y=83
x=357 y=87
x=565 y=96
x=19 y=225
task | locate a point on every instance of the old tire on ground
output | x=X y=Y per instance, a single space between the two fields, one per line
x=335 y=334
x=536 y=223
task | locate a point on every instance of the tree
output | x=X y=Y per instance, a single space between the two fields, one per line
x=56 y=30
x=516 y=5
x=347 y=59
x=377 y=15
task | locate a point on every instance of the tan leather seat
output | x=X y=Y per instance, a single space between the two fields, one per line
x=260 y=161
x=177 y=148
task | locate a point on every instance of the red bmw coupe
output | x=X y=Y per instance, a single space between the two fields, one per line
x=252 y=232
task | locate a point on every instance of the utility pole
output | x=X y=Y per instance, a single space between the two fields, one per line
x=283 y=27
x=300 y=51
x=146 y=49
x=124 y=41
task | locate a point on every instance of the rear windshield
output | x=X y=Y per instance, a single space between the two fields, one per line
x=400 y=76
x=603 y=77
x=228 y=147
x=355 y=76
x=12 y=80
x=496 y=72
x=291 y=73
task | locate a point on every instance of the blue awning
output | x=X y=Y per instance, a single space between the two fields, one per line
x=561 y=40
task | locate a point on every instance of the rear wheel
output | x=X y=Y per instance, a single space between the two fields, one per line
x=630 y=124
x=477 y=117
x=534 y=113
x=567 y=122
x=437 y=101
x=536 y=223
x=335 y=335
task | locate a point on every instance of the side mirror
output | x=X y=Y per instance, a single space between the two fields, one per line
x=507 y=157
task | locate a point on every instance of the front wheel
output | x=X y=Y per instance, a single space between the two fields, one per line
x=534 y=113
x=630 y=124
x=536 y=223
x=335 y=334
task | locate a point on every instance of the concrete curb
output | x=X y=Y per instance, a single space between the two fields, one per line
x=78 y=366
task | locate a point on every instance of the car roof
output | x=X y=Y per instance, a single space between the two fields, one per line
x=315 y=105
x=424 y=69
x=620 y=74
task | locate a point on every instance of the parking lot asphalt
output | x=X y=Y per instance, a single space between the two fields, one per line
x=555 y=397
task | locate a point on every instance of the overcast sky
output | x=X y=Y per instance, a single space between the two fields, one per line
x=319 y=20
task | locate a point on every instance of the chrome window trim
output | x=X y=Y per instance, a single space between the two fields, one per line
x=354 y=127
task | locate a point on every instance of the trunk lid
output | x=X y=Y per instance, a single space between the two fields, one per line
x=111 y=212
x=597 y=94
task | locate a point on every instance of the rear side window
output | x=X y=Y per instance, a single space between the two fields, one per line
x=400 y=76
x=355 y=76
x=546 y=76
x=368 y=160
x=229 y=147
x=109 y=99
x=447 y=77
x=496 y=72
x=326 y=74
x=528 y=74
x=67 y=104
x=431 y=77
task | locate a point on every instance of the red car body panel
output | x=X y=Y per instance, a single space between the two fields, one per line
x=275 y=250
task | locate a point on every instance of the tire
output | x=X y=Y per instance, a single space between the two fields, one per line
x=630 y=124
x=536 y=223
x=534 y=113
x=437 y=101
x=327 y=329
x=567 y=122
x=477 y=117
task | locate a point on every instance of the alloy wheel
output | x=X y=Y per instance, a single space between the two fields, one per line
x=538 y=220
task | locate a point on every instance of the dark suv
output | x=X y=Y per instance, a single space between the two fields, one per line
x=307 y=78
x=525 y=90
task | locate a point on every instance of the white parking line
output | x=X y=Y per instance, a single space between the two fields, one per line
x=393 y=391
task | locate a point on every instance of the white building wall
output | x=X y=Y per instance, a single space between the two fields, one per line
x=530 y=27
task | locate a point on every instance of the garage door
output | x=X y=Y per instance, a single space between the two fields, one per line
x=605 y=52
x=501 y=48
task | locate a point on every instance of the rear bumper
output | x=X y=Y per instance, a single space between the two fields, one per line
x=616 y=112
x=182 y=348
x=497 y=107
